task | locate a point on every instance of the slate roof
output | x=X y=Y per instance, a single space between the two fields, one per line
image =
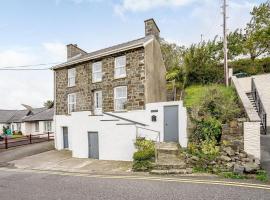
x=44 y=115
x=17 y=116
x=5 y=115
x=106 y=51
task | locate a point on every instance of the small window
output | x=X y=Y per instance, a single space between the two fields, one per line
x=71 y=77
x=120 y=98
x=120 y=67
x=18 y=126
x=97 y=72
x=71 y=103
x=48 y=126
x=37 y=127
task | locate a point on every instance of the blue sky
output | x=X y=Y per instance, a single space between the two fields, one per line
x=36 y=31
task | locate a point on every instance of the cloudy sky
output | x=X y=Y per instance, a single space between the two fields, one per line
x=36 y=32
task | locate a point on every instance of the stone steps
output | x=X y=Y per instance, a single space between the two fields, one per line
x=167 y=148
x=168 y=161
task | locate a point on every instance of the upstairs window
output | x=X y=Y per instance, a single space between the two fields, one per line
x=97 y=72
x=120 y=98
x=120 y=67
x=71 y=103
x=71 y=77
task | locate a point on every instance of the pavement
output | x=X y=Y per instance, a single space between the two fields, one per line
x=31 y=185
x=265 y=152
x=63 y=161
x=24 y=151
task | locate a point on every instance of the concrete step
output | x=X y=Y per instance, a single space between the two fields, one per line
x=167 y=148
x=170 y=165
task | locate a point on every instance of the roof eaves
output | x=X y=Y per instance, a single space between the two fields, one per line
x=90 y=57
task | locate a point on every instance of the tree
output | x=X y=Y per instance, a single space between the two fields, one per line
x=257 y=32
x=48 y=104
x=235 y=44
x=201 y=62
x=173 y=60
x=172 y=54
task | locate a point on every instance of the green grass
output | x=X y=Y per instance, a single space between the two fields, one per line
x=232 y=175
x=195 y=93
x=16 y=136
x=262 y=176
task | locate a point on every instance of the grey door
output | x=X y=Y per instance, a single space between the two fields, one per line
x=65 y=137
x=93 y=148
x=171 y=123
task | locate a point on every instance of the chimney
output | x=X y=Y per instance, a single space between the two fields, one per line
x=151 y=28
x=74 y=50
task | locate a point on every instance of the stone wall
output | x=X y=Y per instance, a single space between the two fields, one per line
x=84 y=88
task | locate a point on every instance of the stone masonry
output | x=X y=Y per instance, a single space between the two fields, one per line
x=84 y=88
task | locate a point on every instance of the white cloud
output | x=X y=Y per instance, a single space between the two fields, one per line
x=28 y=87
x=55 y=50
x=145 y=5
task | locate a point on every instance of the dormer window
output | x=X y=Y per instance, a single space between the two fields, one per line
x=120 y=67
x=96 y=72
x=71 y=77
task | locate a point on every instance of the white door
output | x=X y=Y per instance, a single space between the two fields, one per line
x=98 y=102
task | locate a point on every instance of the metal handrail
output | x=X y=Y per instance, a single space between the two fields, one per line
x=157 y=142
x=259 y=105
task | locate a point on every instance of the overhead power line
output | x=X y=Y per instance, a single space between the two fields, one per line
x=29 y=69
x=26 y=66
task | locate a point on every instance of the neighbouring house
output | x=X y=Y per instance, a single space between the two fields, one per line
x=105 y=99
x=28 y=121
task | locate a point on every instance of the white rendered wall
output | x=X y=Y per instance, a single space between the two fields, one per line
x=252 y=139
x=116 y=142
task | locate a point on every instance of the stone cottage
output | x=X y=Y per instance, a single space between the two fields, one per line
x=112 y=91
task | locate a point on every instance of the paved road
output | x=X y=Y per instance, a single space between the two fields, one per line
x=44 y=186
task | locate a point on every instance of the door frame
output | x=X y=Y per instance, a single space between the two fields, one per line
x=89 y=152
x=177 y=121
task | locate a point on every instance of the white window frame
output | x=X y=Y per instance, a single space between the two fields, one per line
x=98 y=104
x=48 y=126
x=118 y=67
x=37 y=126
x=97 y=72
x=71 y=77
x=120 y=99
x=71 y=104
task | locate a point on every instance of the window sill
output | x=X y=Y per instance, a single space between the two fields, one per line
x=115 y=78
x=96 y=81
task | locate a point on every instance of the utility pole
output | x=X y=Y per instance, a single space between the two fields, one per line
x=225 y=43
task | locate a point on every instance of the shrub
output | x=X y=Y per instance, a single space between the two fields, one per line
x=210 y=148
x=250 y=67
x=215 y=101
x=207 y=129
x=145 y=155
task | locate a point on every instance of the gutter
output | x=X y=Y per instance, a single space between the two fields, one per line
x=98 y=55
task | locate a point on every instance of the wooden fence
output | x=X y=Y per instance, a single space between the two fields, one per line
x=25 y=140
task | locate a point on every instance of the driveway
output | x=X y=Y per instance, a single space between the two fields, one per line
x=63 y=161
x=23 y=151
